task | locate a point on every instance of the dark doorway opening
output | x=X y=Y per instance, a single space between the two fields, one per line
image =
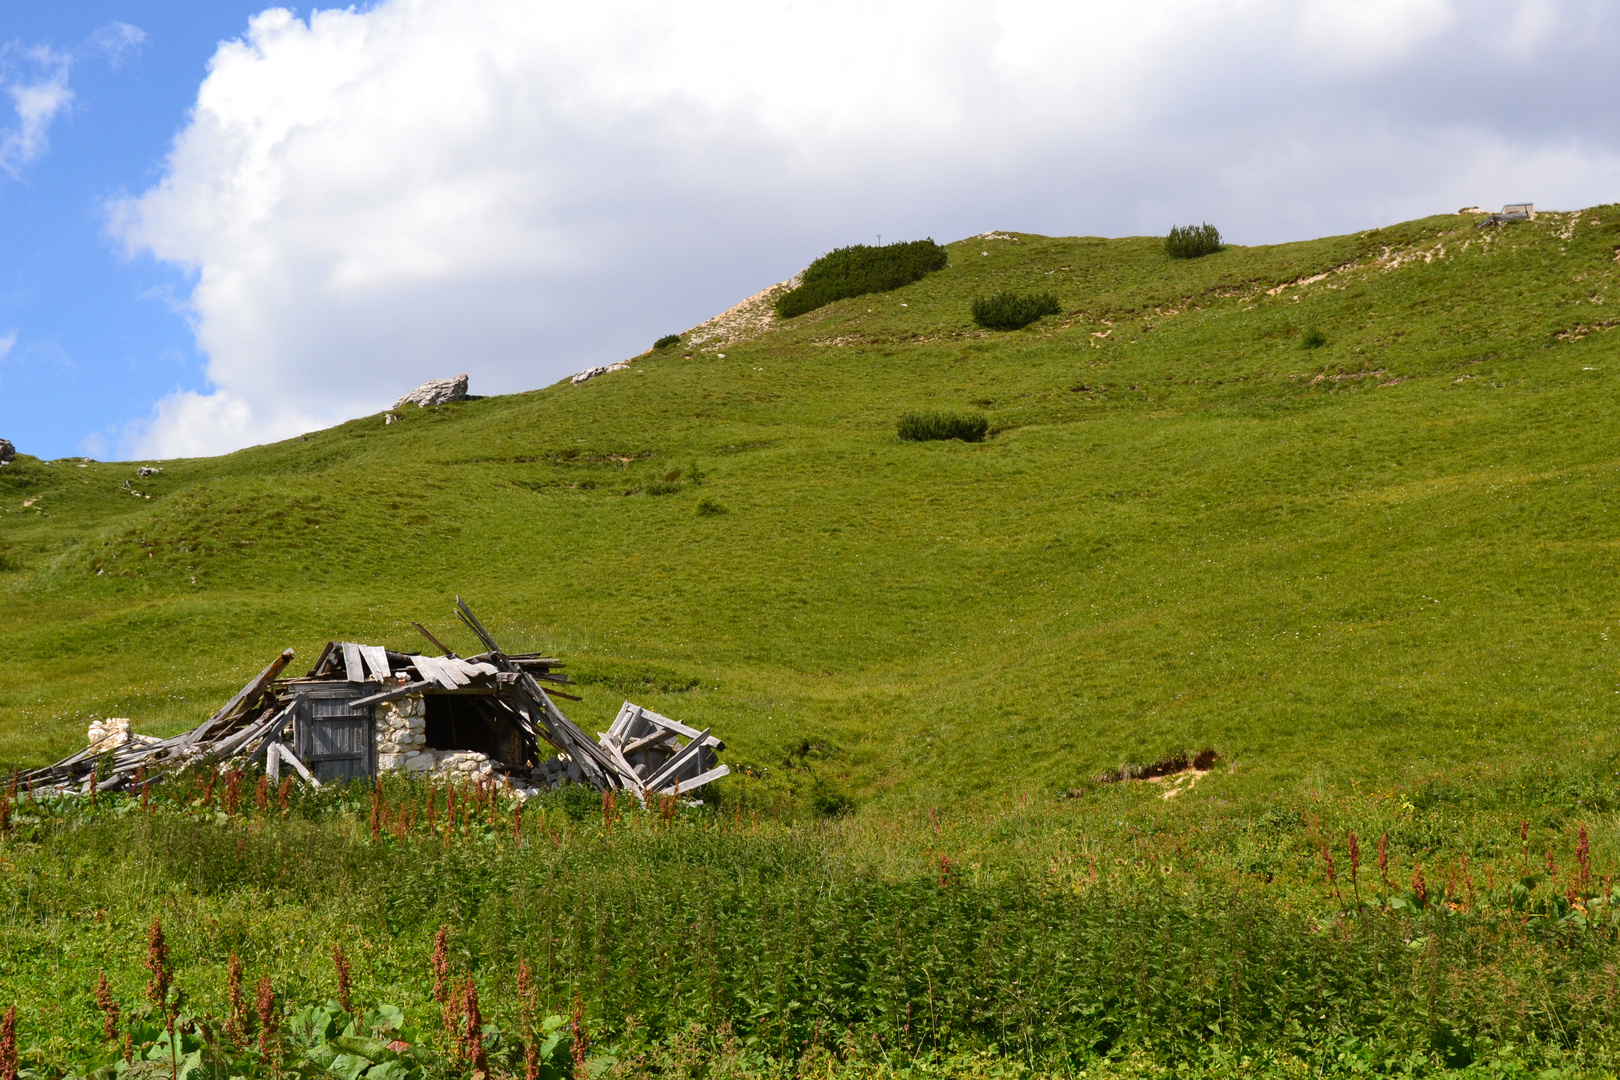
x=476 y=722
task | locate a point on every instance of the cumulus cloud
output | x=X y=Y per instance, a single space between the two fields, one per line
x=523 y=188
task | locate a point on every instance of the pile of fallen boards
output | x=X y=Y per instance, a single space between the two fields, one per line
x=642 y=752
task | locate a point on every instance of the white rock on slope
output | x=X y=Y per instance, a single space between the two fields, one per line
x=436 y=392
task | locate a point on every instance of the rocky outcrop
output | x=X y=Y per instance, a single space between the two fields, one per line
x=436 y=392
x=7 y=451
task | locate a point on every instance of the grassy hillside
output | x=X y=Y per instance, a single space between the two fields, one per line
x=1342 y=510
x=1387 y=559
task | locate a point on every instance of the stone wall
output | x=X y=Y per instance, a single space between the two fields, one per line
x=401 y=727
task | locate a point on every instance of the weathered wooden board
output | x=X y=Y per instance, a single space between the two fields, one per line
x=376 y=661
x=353 y=666
x=696 y=782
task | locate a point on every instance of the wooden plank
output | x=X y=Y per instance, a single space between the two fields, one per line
x=254 y=688
x=697 y=781
x=652 y=740
x=389 y=695
x=673 y=766
x=376 y=661
x=228 y=746
x=353 y=666
x=632 y=781
x=272 y=762
x=435 y=641
x=429 y=668
x=320 y=661
x=286 y=754
x=678 y=727
x=628 y=714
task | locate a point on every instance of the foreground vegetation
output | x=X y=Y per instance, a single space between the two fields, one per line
x=1117 y=932
x=1343 y=511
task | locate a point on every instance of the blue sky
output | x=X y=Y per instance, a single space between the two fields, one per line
x=98 y=337
x=244 y=223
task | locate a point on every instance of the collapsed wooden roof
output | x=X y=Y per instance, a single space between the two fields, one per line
x=669 y=757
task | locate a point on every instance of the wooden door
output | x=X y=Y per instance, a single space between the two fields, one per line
x=333 y=739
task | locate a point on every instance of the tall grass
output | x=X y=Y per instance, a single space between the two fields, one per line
x=899 y=938
x=858 y=270
x=926 y=426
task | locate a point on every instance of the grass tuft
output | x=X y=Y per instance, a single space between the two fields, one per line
x=1312 y=338
x=932 y=426
x=666 y=341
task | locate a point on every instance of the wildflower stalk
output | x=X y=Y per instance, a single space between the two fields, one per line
x=341 y=962
x=236 y=1020
x=8 y=1045
x=108 y=1007
x=1355 y=867
x=265 y=1006
x=582 y=1038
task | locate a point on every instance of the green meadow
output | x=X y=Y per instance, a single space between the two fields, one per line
x=1344 y=511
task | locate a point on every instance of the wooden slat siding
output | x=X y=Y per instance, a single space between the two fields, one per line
x=376 y=661
x=679 y=728
x=697 y=781
x=672 y=766
x=389 y=695
x=353 y=666
x=335 y=738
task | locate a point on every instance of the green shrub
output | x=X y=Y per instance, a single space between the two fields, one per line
x=1191 y=241
x=926 y=426
x=858 y=270
x=1013 y=311
x=1312 y=338
x=707 y=507
x=666 y=341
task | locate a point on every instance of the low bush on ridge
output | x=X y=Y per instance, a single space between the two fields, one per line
x=1014 y=311
x=858 y=270
x=666 y=341
x=929 y=426
x=1191 y=241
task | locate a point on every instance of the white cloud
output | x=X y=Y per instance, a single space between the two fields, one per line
x=8 y=341
x=36 y=80
x=523 y=188
x=116 y=41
